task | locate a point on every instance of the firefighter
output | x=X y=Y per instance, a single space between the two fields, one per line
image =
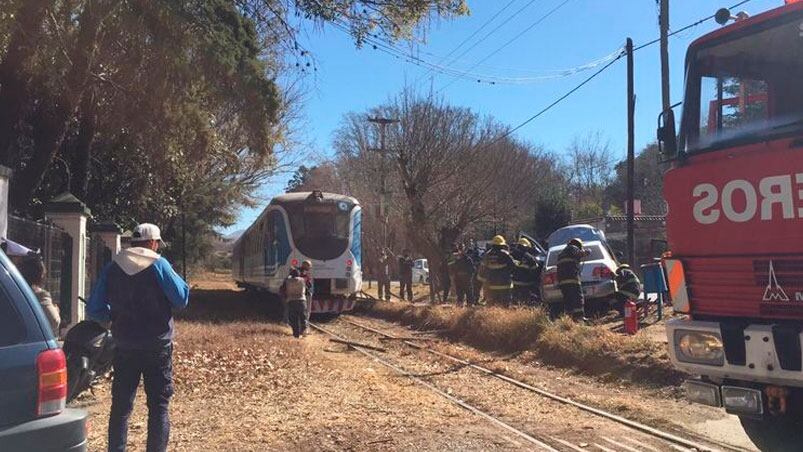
x=461 y=271
x=527 y=272
x=569 y=279
x=628 y=286
x=496 y=271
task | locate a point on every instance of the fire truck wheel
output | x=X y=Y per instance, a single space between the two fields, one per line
x=780 y=434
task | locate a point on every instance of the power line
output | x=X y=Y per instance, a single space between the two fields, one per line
x=504 y=22
x=559 y=100
x=388 y=48
x=510 y=41
x=446 y=60
x=691 y=25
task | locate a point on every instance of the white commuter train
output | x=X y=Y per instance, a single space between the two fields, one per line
x=324 y=228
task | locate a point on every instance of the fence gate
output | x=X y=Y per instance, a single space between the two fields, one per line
x=56 y=248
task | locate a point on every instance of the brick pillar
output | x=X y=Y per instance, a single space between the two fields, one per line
x=69 y=213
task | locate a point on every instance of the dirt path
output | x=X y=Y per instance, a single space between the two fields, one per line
x=243 y=383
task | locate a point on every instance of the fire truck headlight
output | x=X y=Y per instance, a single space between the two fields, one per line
x=699 y=347
x=742 y=400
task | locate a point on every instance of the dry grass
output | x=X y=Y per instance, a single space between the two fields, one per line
x=592 y=350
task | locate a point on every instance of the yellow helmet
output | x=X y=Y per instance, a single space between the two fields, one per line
x=621 y=266
x=577 y=242
x=524 y=242
x=306 y=264
x=498 y=240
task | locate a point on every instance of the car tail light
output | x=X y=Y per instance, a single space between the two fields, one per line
x=602 y=272
x=294 y=262
x=349 y=262
x=549 y=279
x=52 y=369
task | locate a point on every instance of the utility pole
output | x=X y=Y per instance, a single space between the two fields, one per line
x=383 y=124
x=663 y=24
x=631 y=106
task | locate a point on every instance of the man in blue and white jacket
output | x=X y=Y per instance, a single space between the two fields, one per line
x=138 y=292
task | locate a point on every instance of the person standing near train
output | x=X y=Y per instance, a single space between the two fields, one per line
x=383 y=276
x=309 y=282
x=406 y=275
x=294 y=294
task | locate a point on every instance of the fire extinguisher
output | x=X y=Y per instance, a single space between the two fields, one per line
x=631 y=317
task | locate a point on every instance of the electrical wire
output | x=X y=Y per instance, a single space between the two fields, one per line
x=446 y=60
x=397 y=53
x=383 y=45
x=691 y=25
x=504 y=22
x=510 y=41
x=560 y=99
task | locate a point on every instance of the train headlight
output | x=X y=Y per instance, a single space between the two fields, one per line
x=699 y=347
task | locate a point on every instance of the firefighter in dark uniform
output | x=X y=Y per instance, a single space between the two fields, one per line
x=461 y=271
x=496 y=271
x=628 y=286
x=526 y=273
x=569 y=278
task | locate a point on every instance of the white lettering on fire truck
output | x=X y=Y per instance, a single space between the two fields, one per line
x=775 y=195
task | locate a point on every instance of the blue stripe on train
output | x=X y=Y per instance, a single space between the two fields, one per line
x=356 y=236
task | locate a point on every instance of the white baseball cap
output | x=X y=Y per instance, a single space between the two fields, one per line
x=146 y=231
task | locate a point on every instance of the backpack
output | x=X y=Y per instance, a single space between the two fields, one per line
x=295 y=288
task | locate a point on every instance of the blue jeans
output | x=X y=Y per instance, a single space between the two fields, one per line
x=156 y=369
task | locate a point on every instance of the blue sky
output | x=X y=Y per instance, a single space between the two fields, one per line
x=350 y=79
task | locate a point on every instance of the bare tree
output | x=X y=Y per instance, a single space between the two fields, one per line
x=590 y=167
x=453 y=169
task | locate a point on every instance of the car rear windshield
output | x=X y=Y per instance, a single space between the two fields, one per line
x=582 y=232
x=596 y=254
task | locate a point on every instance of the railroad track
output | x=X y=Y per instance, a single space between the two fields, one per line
x=630 y=436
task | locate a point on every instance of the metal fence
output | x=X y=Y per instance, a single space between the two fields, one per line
x=56 y=248
x=97 y=256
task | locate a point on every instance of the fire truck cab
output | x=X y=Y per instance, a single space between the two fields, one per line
x=735 y=224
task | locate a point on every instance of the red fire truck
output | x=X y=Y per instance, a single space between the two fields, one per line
x=735 y=223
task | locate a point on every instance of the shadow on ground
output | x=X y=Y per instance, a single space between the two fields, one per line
x=231 y=305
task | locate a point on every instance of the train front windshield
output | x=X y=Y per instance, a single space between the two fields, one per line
x=320 y=231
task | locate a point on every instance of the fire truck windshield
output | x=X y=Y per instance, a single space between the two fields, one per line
x=745 y=88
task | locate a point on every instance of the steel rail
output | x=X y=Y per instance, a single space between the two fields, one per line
x=494 y=420
x=602 y=413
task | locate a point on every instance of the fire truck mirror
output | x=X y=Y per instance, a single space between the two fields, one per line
x=667 y=138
